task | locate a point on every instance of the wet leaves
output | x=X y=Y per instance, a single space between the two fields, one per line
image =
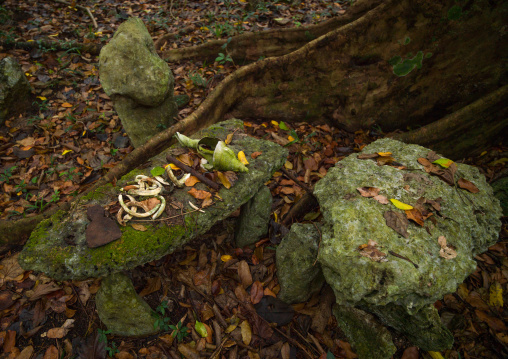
x=398 y=222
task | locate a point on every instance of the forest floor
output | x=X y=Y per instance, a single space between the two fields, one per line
x=72 y=136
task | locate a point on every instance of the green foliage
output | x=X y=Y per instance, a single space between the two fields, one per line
x=157 y=171
x=70 y=173
x=6 y=175
x=223 y=58
x=161 y=321
x=404 y=67
x=455 y=12
x=198 y=80
x=179 y=331
x=111 y=349
x=4 y=15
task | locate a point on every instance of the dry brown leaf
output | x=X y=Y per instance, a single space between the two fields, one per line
x=167 y=339
x=244 y=274
x=26 y=353
x=411 y=353
x=496 y=324
x=415 y=215
x=58 y=333
x=370 y=251
x=199 y=194
x=139 y=227
x=285 y=351
x=255 y=155
x=365 y=156
x=10 y=269
x=381 y=199
x=310 y=164
x=256 y=292
x=445 y=251
x=43 y=289
x=150 y=203
x=9 y=342
x=398 y=222
x=51 y=353
x=231 y=176
x=186 y=159
x=153 y=285
x=347 y=349
x=368 y=192
x=191 y=181
x=467 y=185
x=188 y=352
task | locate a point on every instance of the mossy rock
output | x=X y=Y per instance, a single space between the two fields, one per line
x=58 y=246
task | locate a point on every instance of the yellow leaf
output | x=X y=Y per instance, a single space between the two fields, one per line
x=241 y=157
x=288 y=165
x=435 y=355
x=400 y=205
x=496 y=295
x=53 y=35
x=226 y=257
x=173 y=167
x=229 y=138
x=276 y=217
x=246 y=332
x=224 y=180
x=384 y=154
x=66 y=104
x=42 y=98
x=290 y=138
x=275 y=123
x=233 y=323
x=483 y=153
x=66 y=152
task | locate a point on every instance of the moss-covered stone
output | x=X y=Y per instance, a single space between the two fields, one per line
x=501 y=192
x=369 y=338
x=469 y=221
x=14 y=89
x=254 y=217
x=58 y=247
x=121 y=309
x=298 y=273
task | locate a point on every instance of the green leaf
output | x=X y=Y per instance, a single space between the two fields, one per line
x=407 y=40
x=395 y=60
x=443 y=162
x=157 y=171
x=311 y=216
x=201 y=329
x=329 y=355
x=283 y=126
x=455 y=12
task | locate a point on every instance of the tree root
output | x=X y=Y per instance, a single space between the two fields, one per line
x=465 y=132
x=254 y=45
x=92 y=49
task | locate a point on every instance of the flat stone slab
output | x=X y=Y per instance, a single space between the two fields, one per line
x=58 y=245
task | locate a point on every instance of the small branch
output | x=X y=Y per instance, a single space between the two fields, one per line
x=192 y=171
x=82 y=8
x=296 y=180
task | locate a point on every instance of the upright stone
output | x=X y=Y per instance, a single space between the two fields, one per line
x=121 y=309
x=254 y=217
x=14 y=89
x=138 y=81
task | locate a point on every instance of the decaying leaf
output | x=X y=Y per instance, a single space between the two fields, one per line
x=244 y=273
x=58 y=333
x=10 y=269
x=191 y=181
x=368 y=191
x=139 y=227
x=153 y=285
x=445 y=251
x=246 y=332
x=415 y=215
x=366 y=156
x=398 y=222
x=255 y=155
x=233 y=323
x=256 y=292
x=496 y=295
x=401 y=205
x=467 y=185
x=370 y=251
x=224 y=180
x=199 y=194
x=381 y=199
x=446 y=174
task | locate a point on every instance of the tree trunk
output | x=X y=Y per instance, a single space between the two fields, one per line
x=396 y=64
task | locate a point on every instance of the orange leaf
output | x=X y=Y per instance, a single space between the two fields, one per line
x=467 y=185
x=256 y=292
x=415 y=215
x=191 y=181
x=66 y=104
x=256 y=154
x=199 y=194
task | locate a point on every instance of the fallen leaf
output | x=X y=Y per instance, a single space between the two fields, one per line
x=256 y=292
x=224 y=180
x=199 y=194
x=285 y=351
x=167 y=339
x=401 y=205
x=58 y=333
x=10 y=269
x=445 y=251
x=443 y=162
x=255 y=155
x=242 y=158
x=366 y=156
x=229 y=138
x=349 y=353
x=9 y=341
x=411 y=353
x=101 y=230
x=398 y=222
x=370 y=251
x=496 y=295
x=186 y=159
x=368 y=191
x=274 y=310
x=381 y=199
x=43 y=289
x=66 y=104
x=310 y=164
x=233 y=323
x=467 y=185
x=415 y=215
x=51 y=353
x=191 y=181
x=244 y=274
x=201 y=329
x=246 y=332
x=188 y=352
x=26 y=353
x=496 y=324
x=139 y=227
x=153 y=285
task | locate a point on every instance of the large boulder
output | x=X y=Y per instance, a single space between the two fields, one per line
x=14 y=89
x=470 y=222
x=58 y=246
x=138 y=81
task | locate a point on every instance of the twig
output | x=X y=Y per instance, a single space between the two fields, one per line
x=297 y=181
x=195 y=173
x=402 y=257
x=82 y=8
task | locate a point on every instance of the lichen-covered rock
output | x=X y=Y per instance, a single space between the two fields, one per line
x=58 y=247
x=298 y=273
x=369 y=338
x=254 y=217
x=14 y=89
x=121 y=309
x=423 y=328
x=500 y=188
x=470 y=222
x=138 y=81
